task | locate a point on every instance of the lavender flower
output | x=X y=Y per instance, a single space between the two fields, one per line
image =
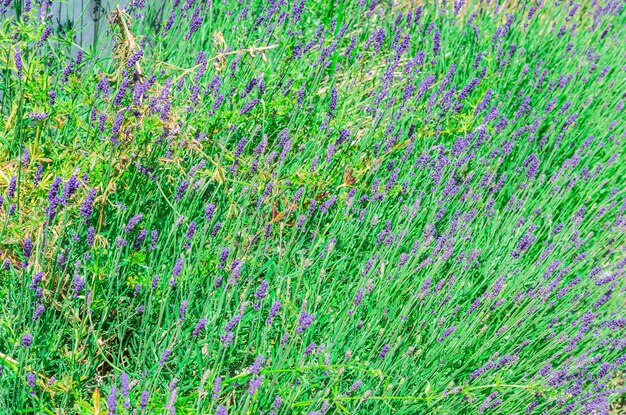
x=68 y=189
x=248 y=106
x=38 y=175
x=305 y=321
x=31 y=380
x=255 y=368
x=19 y=65
x=447 y=332
x=112 y=400
x=209 y=211
x=27 y=340
x=91 y=236
x=166 y=354
x=199 y=327
x=333 y=103
x=86 y=208
x=436 y=42
x=181 y=189
x=196 y=21
x=143 y=400
x=274 y=309
x=25 y=156
x=261 y=291
x=384 y=351
x=39 y=116
x=425 y=85
x=12 y=187
x=134 y=58
x=182 y=310
x=103 y=87
x=216 y=229
x=39 y=310
x=178 y=267
x=125 y=382
x=154 y=235
x=191 y=230
x=78 y=283
x=45 y=34
x=121 y=92
x=255 y=384
x=27 y=248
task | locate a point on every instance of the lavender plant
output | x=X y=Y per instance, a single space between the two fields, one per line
x=314 y=207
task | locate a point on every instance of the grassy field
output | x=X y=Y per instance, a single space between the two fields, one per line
x=314 y=207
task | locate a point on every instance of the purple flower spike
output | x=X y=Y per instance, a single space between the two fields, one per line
x=112 y=401
x=143 y=401
x=249 y=106
x=209 y=211
x=384 y=351
x=12 y=187
x=199 y=327
x=166 y=354
x=178 y=267
x=19 y=65
x=31 y=380
x=255 y=384
x=305 y=321
x=27 y=340
x=217 y=386
x=181 y=189
x=257 y=365
x=86 y=208
x=132 y=222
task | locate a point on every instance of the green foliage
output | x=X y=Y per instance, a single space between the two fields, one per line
x=450 y=243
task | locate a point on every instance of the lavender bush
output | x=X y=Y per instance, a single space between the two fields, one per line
x=314 y=207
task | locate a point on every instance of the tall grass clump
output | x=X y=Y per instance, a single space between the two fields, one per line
x=314 y=207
